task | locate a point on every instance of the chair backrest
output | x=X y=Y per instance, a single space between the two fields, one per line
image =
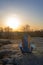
x=23 y=45
x=29 y=41
x=25 y=42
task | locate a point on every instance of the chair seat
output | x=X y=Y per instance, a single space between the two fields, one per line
x=26 y=49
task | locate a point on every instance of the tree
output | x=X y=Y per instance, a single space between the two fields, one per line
x=26 y=28
x=1 y=32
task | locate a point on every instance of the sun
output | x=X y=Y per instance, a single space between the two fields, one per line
x=13 y=22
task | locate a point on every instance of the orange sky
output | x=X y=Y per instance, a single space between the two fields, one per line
x=28 y=12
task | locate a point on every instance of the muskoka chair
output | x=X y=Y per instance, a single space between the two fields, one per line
x=26 y=46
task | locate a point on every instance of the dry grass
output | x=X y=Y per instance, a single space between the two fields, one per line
x=28 y=59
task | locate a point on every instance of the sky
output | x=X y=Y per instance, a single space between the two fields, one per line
x=29 y=12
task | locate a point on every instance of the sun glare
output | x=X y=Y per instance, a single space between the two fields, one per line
x=13 y=22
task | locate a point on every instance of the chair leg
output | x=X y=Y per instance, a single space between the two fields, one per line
x=31 y=49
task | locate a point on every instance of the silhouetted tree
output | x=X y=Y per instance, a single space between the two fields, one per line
x=1 y=32
x=26 y=28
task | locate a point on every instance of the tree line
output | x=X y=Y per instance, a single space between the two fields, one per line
x=8 y=32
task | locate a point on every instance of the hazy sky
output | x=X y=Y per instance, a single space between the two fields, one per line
x=29 y=11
